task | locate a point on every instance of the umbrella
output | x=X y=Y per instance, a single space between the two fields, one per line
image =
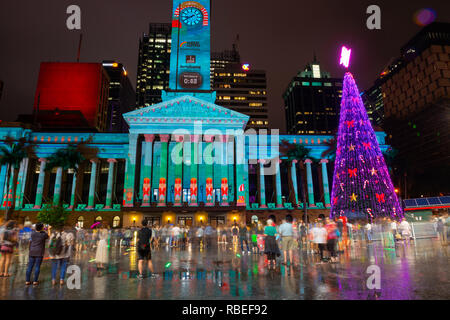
x=95 y=224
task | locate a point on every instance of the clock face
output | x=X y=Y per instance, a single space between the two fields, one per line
x=191 y=16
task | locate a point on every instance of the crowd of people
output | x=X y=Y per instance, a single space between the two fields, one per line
x=324 y=238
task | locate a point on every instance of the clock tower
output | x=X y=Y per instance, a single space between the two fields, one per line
x=190 y=56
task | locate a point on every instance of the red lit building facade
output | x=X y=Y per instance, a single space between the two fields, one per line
x=74 y=87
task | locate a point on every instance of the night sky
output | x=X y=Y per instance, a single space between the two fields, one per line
x=277 y=36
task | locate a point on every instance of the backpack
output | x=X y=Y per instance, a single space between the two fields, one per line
x=56 y=246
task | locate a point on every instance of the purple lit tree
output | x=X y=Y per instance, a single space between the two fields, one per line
x=362 y=187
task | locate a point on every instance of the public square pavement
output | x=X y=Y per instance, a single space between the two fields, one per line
x=416 y=271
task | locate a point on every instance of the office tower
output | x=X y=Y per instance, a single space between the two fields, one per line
x=153 y=64
x=312 y=101
x=66 y=87
x=121 y=97
x=222 y=59
x=416 y=98
x=243 y=89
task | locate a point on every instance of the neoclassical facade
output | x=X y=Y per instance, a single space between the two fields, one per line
x=185 y=160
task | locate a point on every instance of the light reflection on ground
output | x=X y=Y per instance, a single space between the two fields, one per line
x=417 y=271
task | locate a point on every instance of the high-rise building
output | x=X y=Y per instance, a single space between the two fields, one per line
x=122 y=97
x=416 y=98
x=373 y=97
x=75 y=88
x=222 y=59
x=153 y=64
x=312 y=101
x=244 y=90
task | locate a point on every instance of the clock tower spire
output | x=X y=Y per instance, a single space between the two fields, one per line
x=190 y=57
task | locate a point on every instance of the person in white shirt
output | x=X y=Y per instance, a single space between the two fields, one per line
x=350 y=232
x=394 y=228
x=175 y=235
x=199 y=235
x=319 y=234
x=405 y=229
x=368 y=228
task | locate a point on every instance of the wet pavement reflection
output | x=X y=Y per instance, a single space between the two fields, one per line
x=416 y=271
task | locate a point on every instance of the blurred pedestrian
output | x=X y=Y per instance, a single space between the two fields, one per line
x=144 y=250
x=101 y=255
x=60 y=251
x=235 y=234
x=442 y=233
x=405 y=230
x=287 y=239
x=368 y=229
x=332 y=236
x=319 y=238
x=243 y=237
x=36 y=252
x=254 y=237
x=209 y=233
x=271 y=247
x=9 y=241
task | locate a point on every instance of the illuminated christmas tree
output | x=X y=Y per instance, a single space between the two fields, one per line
x=362 y=187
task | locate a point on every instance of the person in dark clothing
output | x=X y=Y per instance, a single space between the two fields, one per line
x=36 y=253
x=143 y=249
x=243 y=237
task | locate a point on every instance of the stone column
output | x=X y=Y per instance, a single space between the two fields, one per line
x=309 y=181
x=57 y=192
x=294 y=180
x=262 y=184
x=92 y=184
x=40 y=184
x=278 y=183
x=193 y=168
x=326 y=188
x=8 y=201
x=163 y=170
x=74 y=188
x=21 y=181
x=3 y=179
x=130 y=171
x=231 y=168
x=110 y=184
x=241 y=178
x=223 y=140
x=208 y=159
x=178 y=183
x=147 y=170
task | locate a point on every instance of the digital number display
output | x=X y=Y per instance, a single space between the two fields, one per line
x=190 y=80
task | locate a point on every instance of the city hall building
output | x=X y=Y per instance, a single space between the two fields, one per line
x=185 y=160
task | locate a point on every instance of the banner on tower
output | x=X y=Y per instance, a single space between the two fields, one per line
x=190 y=53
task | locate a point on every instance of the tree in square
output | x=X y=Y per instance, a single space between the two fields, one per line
x=362 y=187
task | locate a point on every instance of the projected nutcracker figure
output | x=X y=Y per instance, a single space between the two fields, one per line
x=177 y=191
x=193 y=188
x=146 y=190
x=362 y=187
x=209 y=191
x=162 y=190
x=224 y=190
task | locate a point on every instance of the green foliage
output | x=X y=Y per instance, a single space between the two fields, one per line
x=293 y=151
x=67 y=158
x=56 y=216
x=15 y=151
